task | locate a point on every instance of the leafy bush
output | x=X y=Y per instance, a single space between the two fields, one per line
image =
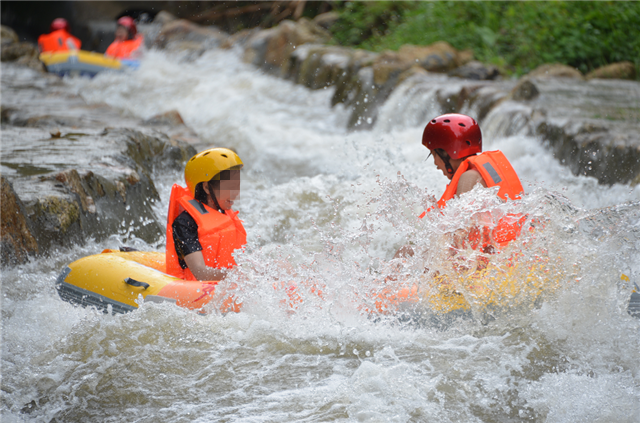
x=520 y=35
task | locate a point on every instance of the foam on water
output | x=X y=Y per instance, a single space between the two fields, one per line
x=325 y=210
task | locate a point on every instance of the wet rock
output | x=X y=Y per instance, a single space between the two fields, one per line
x=326 y=20
x=347 y=82
x=170 y=118
x=363 y=103
x=14 y=51
x=411 y=72
x=476 y=71
x=183 y=35
x=525 y=90
x=172 y=124
x=16 y=238
x=621 y=70
x=483 y=100
x=163 y=17
x=390 y=64
x=71 y=183
x=96 y=194
x=239 y=38
x=23 y=53
x=594 y=150
x=591 y=127
x=555 y=70
x=318 y=66
x=270 y=49
x=7 y=35
x=437 y=57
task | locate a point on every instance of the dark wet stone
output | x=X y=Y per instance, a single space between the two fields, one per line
x=17 y=240
x=477 y=71
x=621 y=70
x=525 y=90
x=77 y=171
x=181 y=34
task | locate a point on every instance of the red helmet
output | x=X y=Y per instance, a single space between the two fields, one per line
x=130 y=24
x=458 y=135
x=59 y=23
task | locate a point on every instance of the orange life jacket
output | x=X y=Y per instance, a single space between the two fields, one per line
x=128 y=49
x=219 y=234
x=57 y=41
x=495 y=170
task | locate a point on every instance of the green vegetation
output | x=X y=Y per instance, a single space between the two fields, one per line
x=516 y=35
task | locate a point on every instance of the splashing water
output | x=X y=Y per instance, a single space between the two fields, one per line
x=318 y=338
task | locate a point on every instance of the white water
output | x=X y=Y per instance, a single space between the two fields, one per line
x=332 y=204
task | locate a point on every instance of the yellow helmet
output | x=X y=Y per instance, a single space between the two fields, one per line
x=205 y=165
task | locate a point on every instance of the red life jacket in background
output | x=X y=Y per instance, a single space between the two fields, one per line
x=495 y=170
x=128 y=49
x=219 y=234
x=57 y=41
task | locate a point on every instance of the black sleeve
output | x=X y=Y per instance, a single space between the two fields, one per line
x=185 y=237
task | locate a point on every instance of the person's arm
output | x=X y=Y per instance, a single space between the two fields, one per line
x=468 y=180
x=202 y=272
x=187 y=244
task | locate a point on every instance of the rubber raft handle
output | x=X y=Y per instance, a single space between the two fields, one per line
x=134 y=282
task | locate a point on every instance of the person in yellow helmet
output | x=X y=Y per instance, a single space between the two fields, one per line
x=202 y=229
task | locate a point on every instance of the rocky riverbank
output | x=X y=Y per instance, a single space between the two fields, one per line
x=591 y=122
x=71 y=171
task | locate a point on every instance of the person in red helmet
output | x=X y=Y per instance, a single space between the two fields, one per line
x=455 y=141
x=128 y=43
x=59 y=39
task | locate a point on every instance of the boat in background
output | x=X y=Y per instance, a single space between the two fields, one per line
x=81 y=62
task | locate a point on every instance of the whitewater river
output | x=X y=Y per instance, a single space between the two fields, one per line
x=336 y=205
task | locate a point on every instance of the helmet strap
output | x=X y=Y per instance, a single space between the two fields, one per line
x=215 y=203
x=213 y=197
x=447 y=164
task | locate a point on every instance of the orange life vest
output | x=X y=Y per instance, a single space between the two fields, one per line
x=495 y=170
x=127 y=49
x=57 y=41
x=219 y=234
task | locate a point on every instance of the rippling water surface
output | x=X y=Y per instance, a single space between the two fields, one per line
x=335 y=206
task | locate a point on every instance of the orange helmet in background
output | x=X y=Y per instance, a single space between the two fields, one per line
x=59 y=23
x=130 y=24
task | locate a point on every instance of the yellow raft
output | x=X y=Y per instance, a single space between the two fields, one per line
x=79 y=62
x=115 y=280
x=490 y=288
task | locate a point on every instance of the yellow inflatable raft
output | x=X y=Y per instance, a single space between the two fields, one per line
x=490 y=287
x=80 y=62
x=116 y=280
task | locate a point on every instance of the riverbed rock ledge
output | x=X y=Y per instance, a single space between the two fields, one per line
x=23 y=53
x=71 y=172
x=620 y=70
x=589 y=123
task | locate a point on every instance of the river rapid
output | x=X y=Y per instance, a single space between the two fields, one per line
x=326 y=209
